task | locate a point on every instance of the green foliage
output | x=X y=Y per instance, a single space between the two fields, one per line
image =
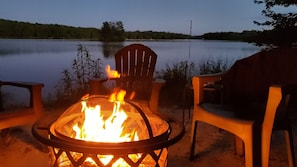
x=74 y=84
x=179 y=76
x=110 y=31
x=283 y=24
x=183 y=71
x=212 y=67
x=178 y=72
x=277 y=18
x=113 y=31
x=154 y=35
x=14 y=29
x=245 y=36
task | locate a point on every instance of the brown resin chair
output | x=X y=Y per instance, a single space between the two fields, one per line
x=248 y=130
x=136 y=64
x=29 y=113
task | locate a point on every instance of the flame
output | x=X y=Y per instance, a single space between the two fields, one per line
x=112 y=73
x=97 y=128
x=117 y=96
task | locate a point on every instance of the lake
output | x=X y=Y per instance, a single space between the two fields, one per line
x=44 y=60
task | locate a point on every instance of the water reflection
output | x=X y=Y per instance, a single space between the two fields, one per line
x=44 y=60
x=109 y=49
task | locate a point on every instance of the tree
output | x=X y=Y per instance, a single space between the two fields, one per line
x=112 y=31
x=283 y=24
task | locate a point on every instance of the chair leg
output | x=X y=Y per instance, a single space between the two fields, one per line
x=193 y=140
x=6 y=137
x=238 y=146
x=290 y=147
x=248 y=147
x=184 y=104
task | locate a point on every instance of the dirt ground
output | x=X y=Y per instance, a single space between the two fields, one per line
x=214 y=147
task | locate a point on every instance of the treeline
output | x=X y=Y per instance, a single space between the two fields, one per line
x=110 y=31
x=15 y=29
x=285 y=37
x=154 y=35
x=245 y=36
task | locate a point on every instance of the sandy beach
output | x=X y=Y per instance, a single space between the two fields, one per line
x=214 y=147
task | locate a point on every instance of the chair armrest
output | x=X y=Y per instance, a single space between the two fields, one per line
x=21 y=84
x=23 y=115
x=154 y=99
x=201 y=82
x=34 y=90
x=95 y=85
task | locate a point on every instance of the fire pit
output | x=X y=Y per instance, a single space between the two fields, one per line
x=99 y=132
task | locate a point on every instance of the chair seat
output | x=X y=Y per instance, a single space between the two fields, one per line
x=15 y=113
x=225 y=117
x=232 y=111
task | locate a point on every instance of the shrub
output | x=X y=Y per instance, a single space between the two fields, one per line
x=212 y=67
x=179 y=76
x=74 y=83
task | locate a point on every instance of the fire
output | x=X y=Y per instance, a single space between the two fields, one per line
x=112 y=73
x=115 y=74
x=108 y=123
x=97 y=128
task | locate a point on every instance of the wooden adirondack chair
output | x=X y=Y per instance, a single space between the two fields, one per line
x=24 y=115
x=136 y=64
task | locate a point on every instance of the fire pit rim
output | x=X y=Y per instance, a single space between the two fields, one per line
x=41 y=134
x=44 y=135
x=53 y=131
x=56 y=135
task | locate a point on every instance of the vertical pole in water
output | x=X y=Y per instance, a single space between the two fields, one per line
x=190 y=35
x=189 y=39
x=186 y=75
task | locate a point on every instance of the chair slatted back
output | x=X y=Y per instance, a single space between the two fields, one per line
x=136 y=64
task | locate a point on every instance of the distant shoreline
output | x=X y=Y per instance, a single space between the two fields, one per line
x=27 y=30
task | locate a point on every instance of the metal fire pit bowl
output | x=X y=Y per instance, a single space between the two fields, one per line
x=151 y=150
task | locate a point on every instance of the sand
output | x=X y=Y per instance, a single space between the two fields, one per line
x=214 y=147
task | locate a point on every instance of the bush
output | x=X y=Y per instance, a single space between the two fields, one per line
x=179 y=76
x=212 y=67
x=75 y=83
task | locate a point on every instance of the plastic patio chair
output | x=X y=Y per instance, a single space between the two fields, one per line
x=136 y=64
x=248 y=131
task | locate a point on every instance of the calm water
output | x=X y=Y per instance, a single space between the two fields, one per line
x=44 y=60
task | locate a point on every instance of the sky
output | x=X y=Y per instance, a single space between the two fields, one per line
x=143 y=15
